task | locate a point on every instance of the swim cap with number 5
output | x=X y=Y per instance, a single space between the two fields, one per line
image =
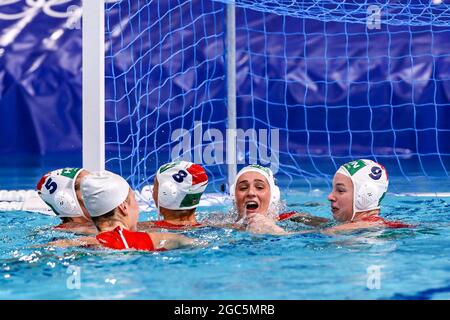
x=57 y=190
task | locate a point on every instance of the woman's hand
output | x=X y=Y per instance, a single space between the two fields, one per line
x=261 y=224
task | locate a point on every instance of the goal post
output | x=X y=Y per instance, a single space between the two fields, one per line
x=231 y=92
x=93 y=87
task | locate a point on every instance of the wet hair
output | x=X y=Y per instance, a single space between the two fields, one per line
x=103 y=218
x=184 y=212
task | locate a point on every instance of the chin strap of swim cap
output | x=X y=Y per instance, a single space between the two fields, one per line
x=370 y=183
x=180 y=185
x=57 y=190
x=275 y=194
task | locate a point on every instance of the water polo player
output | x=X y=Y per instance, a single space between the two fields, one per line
x=112 y=206
x=60 y=190
x=256 y=199
x=358 y=189
x=177 y=189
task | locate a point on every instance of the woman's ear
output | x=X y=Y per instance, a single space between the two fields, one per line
x=123 y=208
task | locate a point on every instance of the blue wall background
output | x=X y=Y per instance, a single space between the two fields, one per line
x=335 y=90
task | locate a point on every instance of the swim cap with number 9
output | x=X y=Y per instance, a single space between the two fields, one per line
x=370 y=183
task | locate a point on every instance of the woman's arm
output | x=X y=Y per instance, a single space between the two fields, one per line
x=79 y=242
x=170 y=241
x=351 y=226
x=308 y=219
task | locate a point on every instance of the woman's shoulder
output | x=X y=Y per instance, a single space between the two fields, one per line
x=387 y=223
x=77 y=228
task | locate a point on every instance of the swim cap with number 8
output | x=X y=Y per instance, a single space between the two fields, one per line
x=181 y=185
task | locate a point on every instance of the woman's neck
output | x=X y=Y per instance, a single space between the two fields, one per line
x=110 y=225
x=178 y=217
x=78 y=221
x=366 y=214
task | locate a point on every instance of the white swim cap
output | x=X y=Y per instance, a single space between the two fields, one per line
x=370 y=183
x=180 y=185
x=267 y=173
x=57 y=190
x=103 y=191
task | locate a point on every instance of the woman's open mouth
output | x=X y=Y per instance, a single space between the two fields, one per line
x=251 y=206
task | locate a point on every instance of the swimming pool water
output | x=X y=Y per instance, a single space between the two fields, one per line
x=414 y=263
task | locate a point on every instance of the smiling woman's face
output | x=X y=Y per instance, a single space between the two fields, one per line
x=252 y=194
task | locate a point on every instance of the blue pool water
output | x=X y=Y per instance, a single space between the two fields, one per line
x=414 y=263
